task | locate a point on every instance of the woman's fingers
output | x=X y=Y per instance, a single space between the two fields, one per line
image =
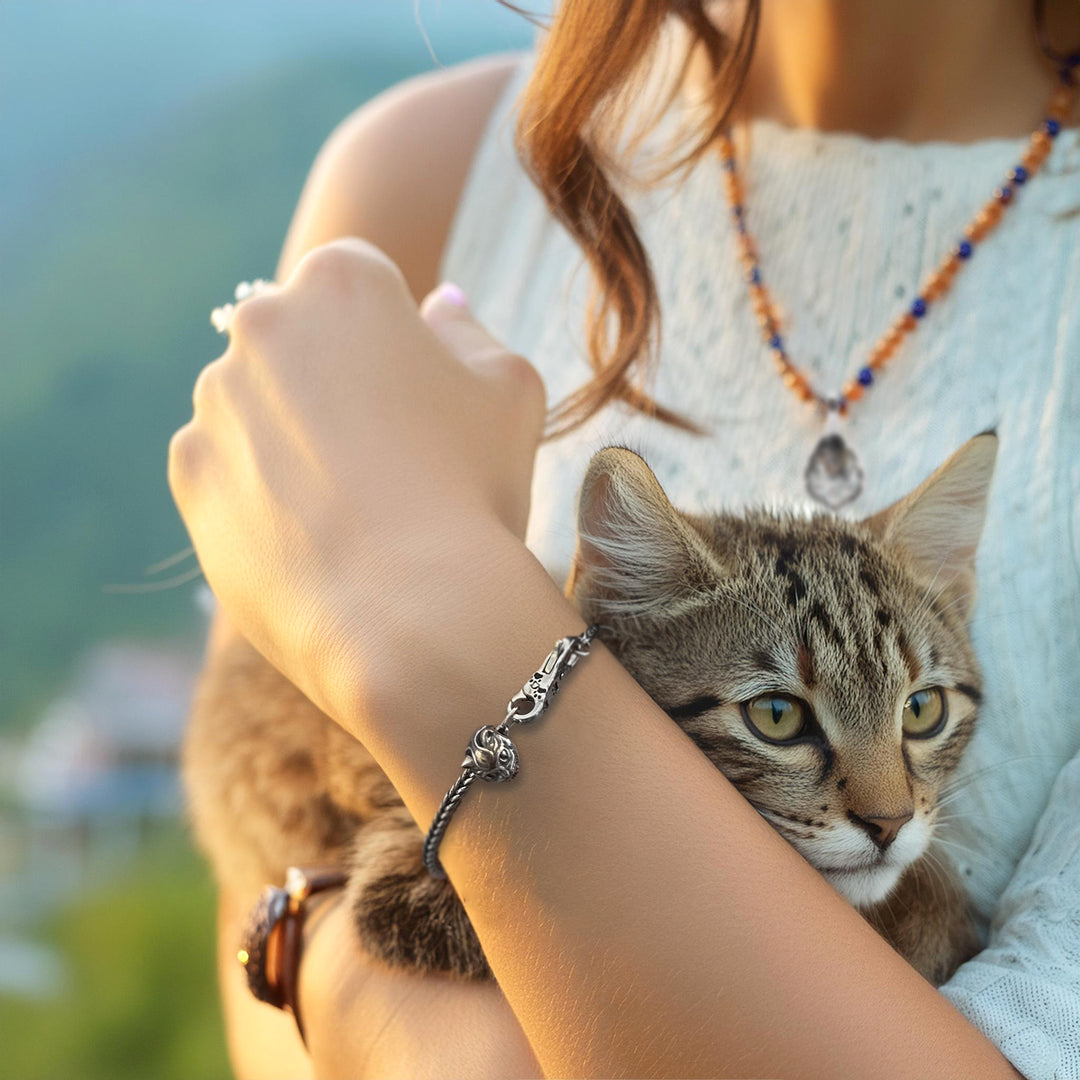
x=350 y=271
x=346 y=455
x=516 y=391
x=445 y=309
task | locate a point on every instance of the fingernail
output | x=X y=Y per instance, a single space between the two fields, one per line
x=453 y=294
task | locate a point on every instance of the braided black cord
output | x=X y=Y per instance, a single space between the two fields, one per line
x=442 y=819
x=524 y=707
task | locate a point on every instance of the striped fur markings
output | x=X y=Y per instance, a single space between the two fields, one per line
x=846 y=618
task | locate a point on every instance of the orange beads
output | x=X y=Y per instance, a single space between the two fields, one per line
x=936 y=285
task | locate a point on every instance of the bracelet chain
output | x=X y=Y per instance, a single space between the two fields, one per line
x=491 y=755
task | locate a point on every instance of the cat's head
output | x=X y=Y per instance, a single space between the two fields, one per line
x=822 y=664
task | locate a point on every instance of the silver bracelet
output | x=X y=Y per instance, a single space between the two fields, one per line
x=490 y=754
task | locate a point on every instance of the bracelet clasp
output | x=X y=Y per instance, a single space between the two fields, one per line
x=531 y=700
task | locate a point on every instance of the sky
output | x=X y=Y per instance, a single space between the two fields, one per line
x=78 y=73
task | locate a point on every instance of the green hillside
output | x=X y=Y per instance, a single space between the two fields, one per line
x=105 y=327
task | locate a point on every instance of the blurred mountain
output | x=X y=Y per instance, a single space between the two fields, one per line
x=75 y=73
x=105 y=293
x=151 y=155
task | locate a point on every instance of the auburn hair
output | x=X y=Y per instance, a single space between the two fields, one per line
x=595 y=58
x=572 y=113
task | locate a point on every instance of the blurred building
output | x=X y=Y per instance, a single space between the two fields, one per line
x=96 y=772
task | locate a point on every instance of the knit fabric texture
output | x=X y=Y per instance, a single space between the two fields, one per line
x=847 y=228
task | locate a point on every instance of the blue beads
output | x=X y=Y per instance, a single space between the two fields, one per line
x=866 y=376
x=1019 y=175
x=964 y=249
x=1052 y=127
x=737 y=210
x=755 y=276
x=1004 y=194
x=729 y=164
x=918 y=308
x=776 y=342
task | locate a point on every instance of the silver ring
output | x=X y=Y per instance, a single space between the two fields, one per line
x=221 y=317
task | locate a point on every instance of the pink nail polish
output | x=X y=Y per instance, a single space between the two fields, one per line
x=453 y=294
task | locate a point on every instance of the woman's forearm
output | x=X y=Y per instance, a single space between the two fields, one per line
x=342 y=457
x=367 y=1020
x=640 y=917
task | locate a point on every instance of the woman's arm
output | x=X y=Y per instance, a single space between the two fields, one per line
x=262 y=1041
x=641 y=918
x=355 y=480
x=372 y=1021
x=393 y=172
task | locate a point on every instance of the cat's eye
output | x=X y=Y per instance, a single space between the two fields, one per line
x=775 y=717
x=924 y=713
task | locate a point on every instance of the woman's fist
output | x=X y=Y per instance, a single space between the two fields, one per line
x=350 y=461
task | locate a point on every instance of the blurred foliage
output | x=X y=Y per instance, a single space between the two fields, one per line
x=141 y=998
x=112 y=263
x=106 y=325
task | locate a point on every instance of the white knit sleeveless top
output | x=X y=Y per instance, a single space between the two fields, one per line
x=847 y=227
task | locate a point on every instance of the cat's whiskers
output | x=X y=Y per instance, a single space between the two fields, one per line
x=931 y=878
x=938 y=873
x=155 y=586
x=955 y=603
x=964 y=850
x=925 y=613
x=160 y=586
x=955 y=845
x=888 y=906
x=171 y=560
x=952 y=788
x=778 y=821
x=926 y=602
x=1013 y=613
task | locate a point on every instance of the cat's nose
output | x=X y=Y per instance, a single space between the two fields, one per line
x=882 y=830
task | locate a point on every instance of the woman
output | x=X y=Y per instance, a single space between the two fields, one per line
x=357 y=480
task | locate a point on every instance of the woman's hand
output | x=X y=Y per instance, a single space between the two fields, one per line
x=350 y=464
x=353 y=485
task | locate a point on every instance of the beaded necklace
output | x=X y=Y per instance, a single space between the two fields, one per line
x=834 y=475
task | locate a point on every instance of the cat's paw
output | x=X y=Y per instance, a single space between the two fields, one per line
x=928 y=919
x=405 y=916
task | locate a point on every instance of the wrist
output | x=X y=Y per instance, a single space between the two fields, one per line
x=493 y=614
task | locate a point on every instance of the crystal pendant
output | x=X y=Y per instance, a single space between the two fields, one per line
x=834 y=476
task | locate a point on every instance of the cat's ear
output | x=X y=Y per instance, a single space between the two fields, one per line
x=938 y=525
x=635 y=553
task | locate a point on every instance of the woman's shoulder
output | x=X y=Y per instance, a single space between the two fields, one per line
x=394 y=170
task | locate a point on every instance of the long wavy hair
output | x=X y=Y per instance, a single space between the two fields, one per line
x=594 y=60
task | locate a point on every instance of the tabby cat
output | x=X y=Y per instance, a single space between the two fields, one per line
x=822 y=664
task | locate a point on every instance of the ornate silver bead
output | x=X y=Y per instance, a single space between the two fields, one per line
x=491 y=755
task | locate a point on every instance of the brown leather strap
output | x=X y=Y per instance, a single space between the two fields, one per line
x=300 y=883
x=289 y=967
